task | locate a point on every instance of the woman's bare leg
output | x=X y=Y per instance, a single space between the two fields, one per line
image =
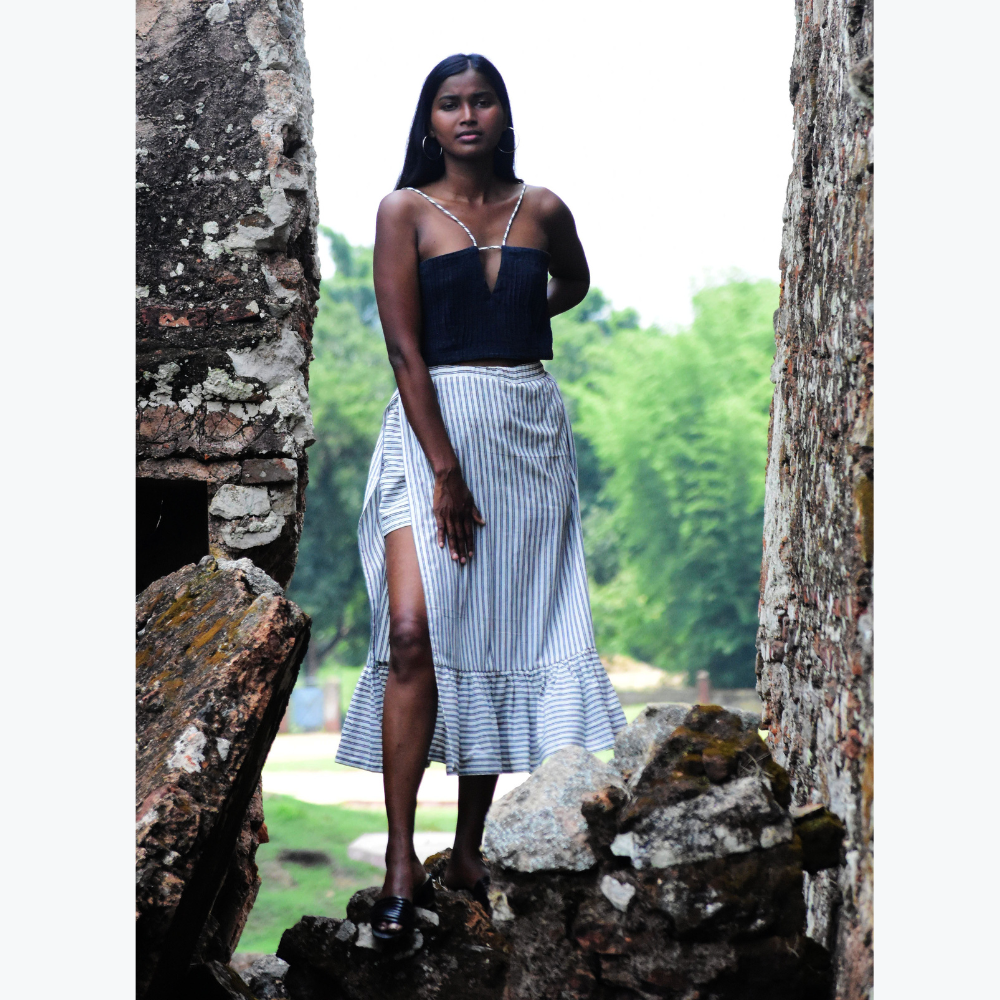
x=475 y=793
x=408 y=711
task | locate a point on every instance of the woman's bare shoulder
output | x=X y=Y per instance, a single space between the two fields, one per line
x=398 y=208
x=546 y=205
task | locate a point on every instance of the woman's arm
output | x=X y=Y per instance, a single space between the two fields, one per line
x=397 y=292
x=570 y=279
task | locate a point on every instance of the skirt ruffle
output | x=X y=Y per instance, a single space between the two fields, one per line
x=495 y=723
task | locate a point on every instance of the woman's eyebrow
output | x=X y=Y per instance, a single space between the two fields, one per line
x=456 y=97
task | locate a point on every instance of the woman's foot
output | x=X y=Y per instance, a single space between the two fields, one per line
x=465 y=871
x=404 y=877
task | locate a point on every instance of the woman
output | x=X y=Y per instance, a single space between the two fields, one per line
x=482 y=652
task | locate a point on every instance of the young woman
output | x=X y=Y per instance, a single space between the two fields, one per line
x=482 y=652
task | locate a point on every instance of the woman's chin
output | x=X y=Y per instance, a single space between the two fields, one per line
x=476 y=152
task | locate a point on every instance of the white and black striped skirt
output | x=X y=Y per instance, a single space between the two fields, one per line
x=518 y=676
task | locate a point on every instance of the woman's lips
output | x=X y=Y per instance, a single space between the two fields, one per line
x=468 y=136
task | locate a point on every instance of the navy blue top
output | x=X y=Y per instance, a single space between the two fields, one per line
x=463 y=320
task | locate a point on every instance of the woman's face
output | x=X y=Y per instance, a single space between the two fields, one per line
x=467 y=118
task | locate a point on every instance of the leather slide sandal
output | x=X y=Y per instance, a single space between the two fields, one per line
x=481 y=894
x=392 y=910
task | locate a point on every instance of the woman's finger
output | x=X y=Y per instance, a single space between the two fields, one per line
x=470 y=532
x=461 y=545
x=440 y=524
x=466 y=536
x=477 y=516
x=450 y=527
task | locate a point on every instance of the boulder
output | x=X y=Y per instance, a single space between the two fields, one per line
x=540 y=825
x=266 y=978
x=218 y=650
x=654 y=724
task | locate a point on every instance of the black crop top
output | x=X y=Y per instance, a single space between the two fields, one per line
x=463 y=320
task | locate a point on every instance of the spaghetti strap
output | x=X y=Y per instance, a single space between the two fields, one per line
x=437 y=204
x=510 y=222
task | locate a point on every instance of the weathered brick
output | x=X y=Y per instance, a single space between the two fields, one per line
x=269 y=470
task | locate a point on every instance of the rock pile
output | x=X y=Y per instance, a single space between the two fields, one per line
x=218 y=650
x=675 y=871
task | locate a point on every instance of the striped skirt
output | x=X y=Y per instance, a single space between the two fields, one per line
x=518 y=676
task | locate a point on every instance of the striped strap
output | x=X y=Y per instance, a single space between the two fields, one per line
x=510 y=221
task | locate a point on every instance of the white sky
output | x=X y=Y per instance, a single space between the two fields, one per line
x=665 y=127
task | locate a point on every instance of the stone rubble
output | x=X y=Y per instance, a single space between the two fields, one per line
x=706 y=904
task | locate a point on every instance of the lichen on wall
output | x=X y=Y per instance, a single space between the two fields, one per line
x=227 y=275
x=814 y=664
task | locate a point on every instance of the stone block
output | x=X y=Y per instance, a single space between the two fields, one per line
x=232 y=502
x=257 y=471
x=213 y=473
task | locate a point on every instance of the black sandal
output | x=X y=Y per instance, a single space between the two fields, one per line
x=402 y=911
x=424 y=896
x=481 y=894
x=392 y=910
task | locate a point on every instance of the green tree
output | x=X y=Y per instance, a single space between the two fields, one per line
x=350 y=382
x=679 y=424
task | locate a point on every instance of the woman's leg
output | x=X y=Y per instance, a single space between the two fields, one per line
x=408 y=712
x=475 y=793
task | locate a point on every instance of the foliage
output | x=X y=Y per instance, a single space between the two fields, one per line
x=678 y=424
x=670 y=433
x=350 y=382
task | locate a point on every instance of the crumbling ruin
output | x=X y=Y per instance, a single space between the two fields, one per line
x=699 y=863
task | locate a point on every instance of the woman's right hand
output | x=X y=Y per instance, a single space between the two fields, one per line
x=455 y=514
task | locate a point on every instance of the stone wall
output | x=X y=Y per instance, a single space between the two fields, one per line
x=814 y=663
x=226 y=278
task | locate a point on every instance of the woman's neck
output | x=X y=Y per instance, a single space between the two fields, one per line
x=471 y=181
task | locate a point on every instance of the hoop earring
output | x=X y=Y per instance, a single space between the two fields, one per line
x=423 y=146
x=517 y=142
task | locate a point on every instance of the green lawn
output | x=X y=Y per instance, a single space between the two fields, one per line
x=290 y=891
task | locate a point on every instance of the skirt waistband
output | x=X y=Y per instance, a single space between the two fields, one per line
x=512 y=373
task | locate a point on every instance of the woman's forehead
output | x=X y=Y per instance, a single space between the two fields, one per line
x=467 y=82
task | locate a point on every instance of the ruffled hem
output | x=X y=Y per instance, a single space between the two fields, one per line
x=493 y=723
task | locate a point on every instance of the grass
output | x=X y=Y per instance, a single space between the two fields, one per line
x=290 y=891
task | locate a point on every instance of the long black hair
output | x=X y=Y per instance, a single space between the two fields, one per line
x=418 y=167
